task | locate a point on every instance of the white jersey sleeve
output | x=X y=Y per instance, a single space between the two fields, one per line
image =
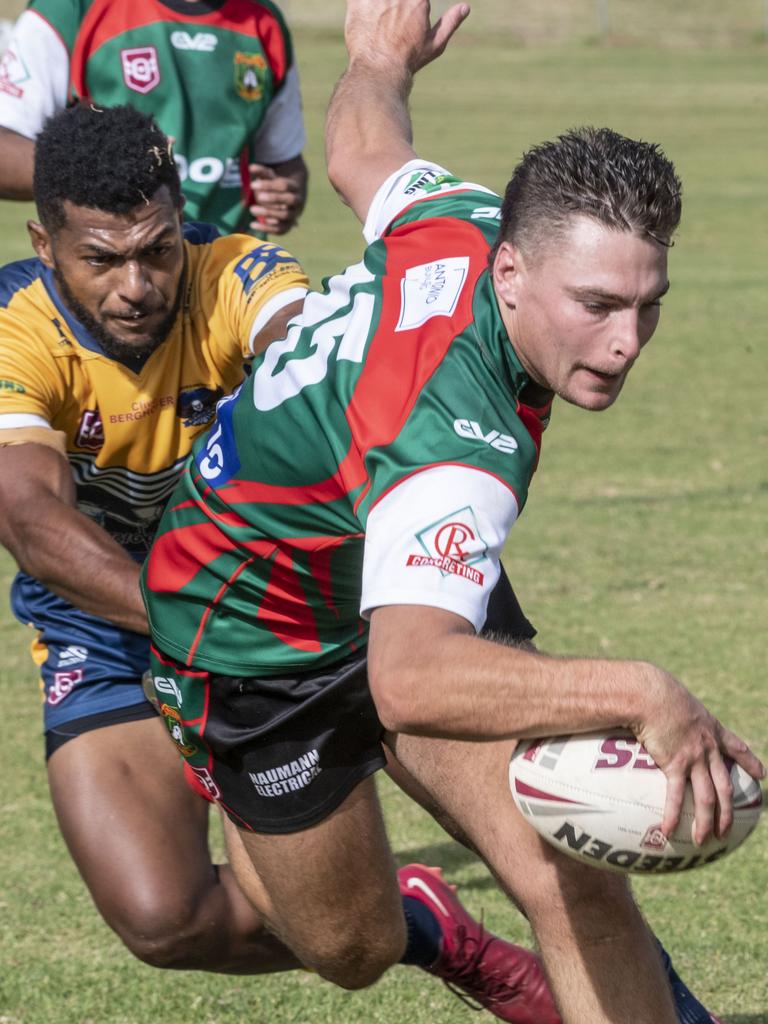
x=435 y=539
x=34 y=76
x=281 y=134
x=418 y=180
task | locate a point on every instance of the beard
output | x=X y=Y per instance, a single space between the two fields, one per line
x=123 y=351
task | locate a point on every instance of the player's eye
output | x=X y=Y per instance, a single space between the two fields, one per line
x=598 y=308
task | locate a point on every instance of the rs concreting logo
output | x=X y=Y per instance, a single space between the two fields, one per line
x=453 y=545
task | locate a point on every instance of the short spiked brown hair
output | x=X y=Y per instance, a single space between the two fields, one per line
x=595 y=172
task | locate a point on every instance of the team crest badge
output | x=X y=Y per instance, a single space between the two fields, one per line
x=250 y=72
x=141 y=69
x=197 y=406
x=90 y=433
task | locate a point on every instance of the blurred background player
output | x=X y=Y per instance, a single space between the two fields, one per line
x=117 y=341
x=218 y=76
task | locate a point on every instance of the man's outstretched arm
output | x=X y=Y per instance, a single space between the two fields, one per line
x=368 y=128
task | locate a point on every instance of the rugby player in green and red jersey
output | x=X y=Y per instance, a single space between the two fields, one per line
x=320 y=580
x=218 y=75
x=115 y=343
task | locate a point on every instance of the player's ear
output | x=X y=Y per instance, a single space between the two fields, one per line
x=41 y=242
x=508 y=269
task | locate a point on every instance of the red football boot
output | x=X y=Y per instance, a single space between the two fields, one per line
x=477 y=966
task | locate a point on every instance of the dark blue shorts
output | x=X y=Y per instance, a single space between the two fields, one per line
x=88 y=666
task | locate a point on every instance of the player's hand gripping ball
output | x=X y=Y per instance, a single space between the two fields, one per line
x=599 y=797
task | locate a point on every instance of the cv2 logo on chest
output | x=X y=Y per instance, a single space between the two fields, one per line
x=472 y=430
x=202 y=42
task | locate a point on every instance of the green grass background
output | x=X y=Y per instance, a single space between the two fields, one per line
x=645 y=533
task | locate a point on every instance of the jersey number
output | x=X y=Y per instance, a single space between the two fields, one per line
x=286 y=370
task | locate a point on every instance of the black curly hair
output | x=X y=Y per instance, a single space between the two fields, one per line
x=106 y=158
x=627 y=185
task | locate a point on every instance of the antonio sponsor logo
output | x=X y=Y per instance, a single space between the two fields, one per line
x=141 y=70
x=452 y=545
x=471 y=429
x=63 y=684
x=287 y=778
x=576 y=839
x=431 y=289
x=250 y=72
x=11 y=385
x=202 y=42
x=428 y=182
x=196 y=406
x=13 y=74
x=90 y=433
x=141 y=409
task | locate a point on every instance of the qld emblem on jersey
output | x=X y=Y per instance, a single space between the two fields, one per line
x=141 y=69
x=250 y=70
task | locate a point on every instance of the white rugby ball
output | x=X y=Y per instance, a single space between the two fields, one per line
x=599 y=797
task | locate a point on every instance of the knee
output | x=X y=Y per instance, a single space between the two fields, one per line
x=356 y=960
x=163 y=933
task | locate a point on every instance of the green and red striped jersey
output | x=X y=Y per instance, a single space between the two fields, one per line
x=379 y=454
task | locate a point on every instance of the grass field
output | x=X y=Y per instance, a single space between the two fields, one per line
x=644 y=536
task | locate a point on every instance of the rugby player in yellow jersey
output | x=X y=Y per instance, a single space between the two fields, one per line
x=115 y=343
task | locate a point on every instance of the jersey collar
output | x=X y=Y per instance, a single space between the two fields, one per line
x=492 y=338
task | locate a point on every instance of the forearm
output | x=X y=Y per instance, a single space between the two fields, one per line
x=76 y=559
x=472 y=688
x=368 y=122
x=17 y=155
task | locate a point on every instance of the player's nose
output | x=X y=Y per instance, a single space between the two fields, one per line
x=134 y=284
x=625 y=339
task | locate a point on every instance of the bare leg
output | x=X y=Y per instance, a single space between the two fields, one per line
x=597 y=950
x=330 y=891
x=138 y=836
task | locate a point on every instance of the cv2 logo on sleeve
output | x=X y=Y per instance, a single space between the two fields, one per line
x=471 y=429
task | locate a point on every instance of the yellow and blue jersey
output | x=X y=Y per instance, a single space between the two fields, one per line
x=127 y=430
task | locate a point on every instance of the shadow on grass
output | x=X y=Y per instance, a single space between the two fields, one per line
x=746 y=1018
x=450 y=857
